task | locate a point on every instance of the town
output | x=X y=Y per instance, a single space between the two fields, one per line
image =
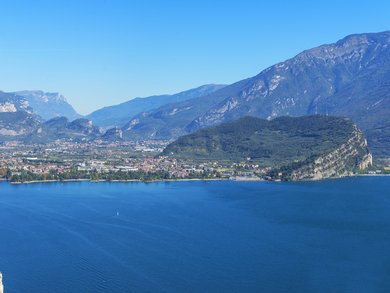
x=111 y=161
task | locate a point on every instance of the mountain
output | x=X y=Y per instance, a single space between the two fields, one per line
x=19 y=121
x=348 y=78
x=49 y=105
x=16 y=117
x=170 y=120
x=11 y=103
x=113 y=134
x=60 y=128
x=119 y=115
x=309 y=147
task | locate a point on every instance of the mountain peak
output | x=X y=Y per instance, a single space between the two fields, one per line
x=354 y=45
x=48 y=105
x=43 y=96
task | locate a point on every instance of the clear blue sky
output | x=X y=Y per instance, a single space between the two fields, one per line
x=99 y=52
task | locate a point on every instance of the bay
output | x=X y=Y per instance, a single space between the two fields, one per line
x=197 y=236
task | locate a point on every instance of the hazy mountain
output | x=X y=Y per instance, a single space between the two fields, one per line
x=169 y=121
x=60 y=128
x=10 y=103
x=119 y=115
x=18 y=121
x=112 y=134
x=16 y=117
x=306 y=147
x=49 y=105
x=348 y=78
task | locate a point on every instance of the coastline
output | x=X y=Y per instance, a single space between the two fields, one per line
x=239 y=179
x=116 y=181
x=373 y=175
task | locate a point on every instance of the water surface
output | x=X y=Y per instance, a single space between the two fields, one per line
x=329 y=236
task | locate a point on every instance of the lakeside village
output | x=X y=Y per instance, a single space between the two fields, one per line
x=115 y=161
x=119 y=161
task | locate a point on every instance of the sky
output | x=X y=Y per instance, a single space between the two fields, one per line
x=104 y=52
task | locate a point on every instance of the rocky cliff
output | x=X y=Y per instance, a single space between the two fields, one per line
x=349 y=158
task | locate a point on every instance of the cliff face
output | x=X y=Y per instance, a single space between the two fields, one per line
x=350 y=157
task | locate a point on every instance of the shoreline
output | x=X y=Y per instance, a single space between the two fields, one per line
x=372 y=175
x=238 y=179
x=115 y=181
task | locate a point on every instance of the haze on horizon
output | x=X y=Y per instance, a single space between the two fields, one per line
x=99 y=53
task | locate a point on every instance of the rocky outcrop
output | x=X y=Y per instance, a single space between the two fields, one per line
x=349 y=158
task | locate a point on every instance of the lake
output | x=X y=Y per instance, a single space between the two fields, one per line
x=198 y=236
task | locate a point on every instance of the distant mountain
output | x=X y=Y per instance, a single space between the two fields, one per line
x=49 y=105
x=309 y=147
x=119 y=115
x=18 y=121
x=170 y=120
x=60 y=128
x=16 y=117
x=113 y=134
x=348 y=78
x=10 y=103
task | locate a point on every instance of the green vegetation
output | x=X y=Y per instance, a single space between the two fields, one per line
x=269 y=143
x=27 y=176
x=279 y=146
x=74 y=174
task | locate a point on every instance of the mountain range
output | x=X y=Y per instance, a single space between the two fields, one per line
x=36 y=116
x=348 y=78
x=49 y=105
x=119 y=115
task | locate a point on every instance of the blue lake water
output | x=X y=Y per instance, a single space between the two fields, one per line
x=328 y=236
